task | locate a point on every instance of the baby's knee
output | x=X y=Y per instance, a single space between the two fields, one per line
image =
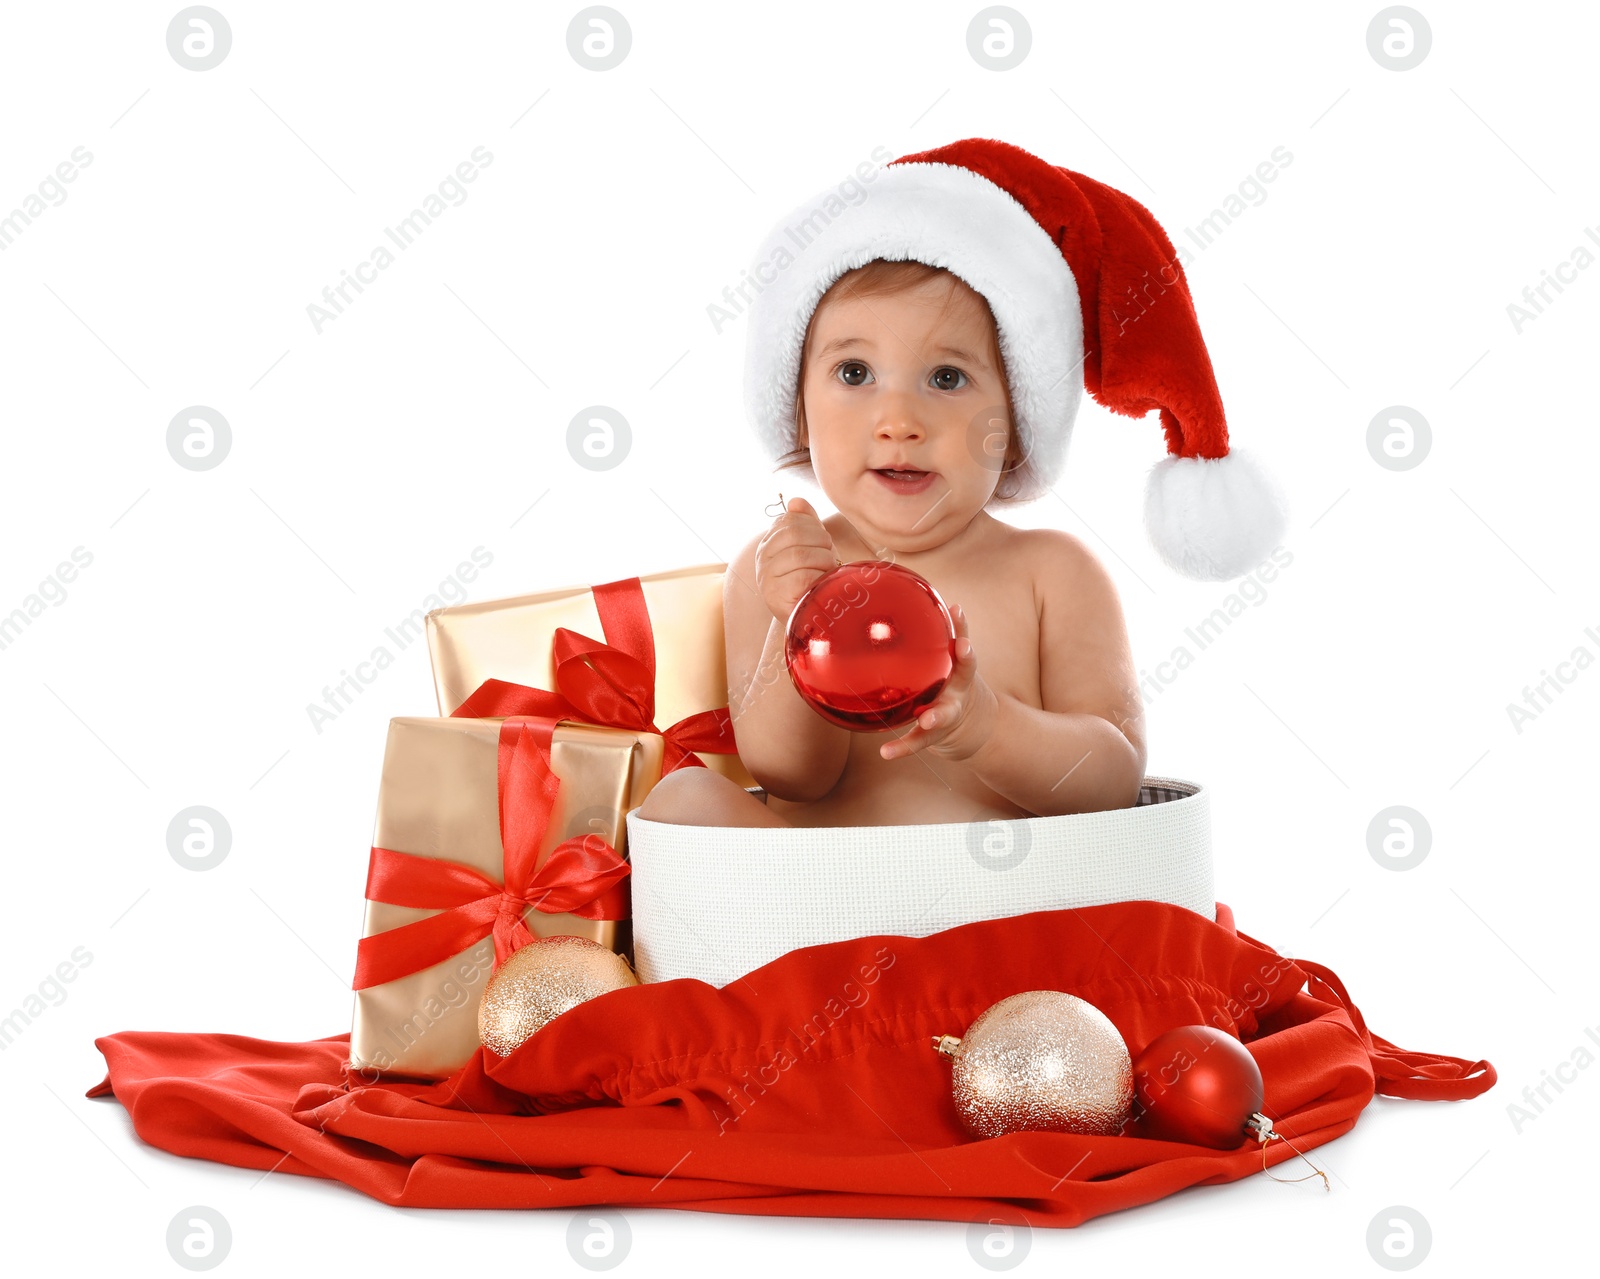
x=681 y=797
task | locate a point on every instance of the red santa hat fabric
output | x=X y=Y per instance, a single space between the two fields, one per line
x=1086 y=291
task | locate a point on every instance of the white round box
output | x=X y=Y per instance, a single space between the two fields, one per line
x=715 y=902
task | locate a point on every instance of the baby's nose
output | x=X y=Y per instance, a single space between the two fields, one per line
x=899 y=424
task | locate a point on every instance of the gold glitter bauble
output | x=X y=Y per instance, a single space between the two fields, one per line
x=539 y=982
x=1041 y=1061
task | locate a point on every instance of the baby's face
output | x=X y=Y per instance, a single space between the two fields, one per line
x=890 y=382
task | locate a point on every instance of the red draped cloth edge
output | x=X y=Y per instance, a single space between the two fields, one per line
x=808 y=1087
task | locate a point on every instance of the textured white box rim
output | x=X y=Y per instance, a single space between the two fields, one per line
x=715 y=902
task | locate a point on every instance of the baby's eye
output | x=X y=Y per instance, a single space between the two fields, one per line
x=947 y=370
x=848 y=369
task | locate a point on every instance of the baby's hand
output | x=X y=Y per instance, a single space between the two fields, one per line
x=961 y=718
x=793 y=554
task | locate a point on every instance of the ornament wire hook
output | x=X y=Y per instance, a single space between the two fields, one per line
x=1265 y=1133
x=784 y=506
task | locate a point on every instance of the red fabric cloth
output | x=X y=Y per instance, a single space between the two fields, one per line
x=807 y=1088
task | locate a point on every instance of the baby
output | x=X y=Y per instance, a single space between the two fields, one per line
x=904 y=411
x=919 y=338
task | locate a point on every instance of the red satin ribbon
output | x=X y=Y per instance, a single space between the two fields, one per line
x=611 y=685
x=583 y=875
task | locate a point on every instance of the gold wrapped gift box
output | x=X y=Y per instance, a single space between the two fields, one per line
x=512 y=639
x=439 y=799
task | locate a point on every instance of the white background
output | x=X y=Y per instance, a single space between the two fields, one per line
x=368 y=460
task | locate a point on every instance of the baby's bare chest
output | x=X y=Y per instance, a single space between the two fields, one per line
x=1003 y=624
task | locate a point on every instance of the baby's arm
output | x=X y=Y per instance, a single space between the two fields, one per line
x=1085 y=750
x=788 y=748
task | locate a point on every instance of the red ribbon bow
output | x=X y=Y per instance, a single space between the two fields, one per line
x=611 y=685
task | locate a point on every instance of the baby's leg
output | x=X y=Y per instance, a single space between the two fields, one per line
x=700 y=797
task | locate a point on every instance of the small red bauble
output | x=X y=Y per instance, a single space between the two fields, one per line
x=1197 y=1084
x=869 y=645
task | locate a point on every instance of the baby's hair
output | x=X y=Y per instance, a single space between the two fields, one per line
x=878 y=278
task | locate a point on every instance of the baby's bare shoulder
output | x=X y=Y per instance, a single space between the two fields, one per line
x=1059 y=561
x=1074 y=592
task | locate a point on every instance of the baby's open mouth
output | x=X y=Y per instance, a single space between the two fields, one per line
x=905 y=482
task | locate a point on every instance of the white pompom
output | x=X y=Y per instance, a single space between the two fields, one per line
x=1212 y=519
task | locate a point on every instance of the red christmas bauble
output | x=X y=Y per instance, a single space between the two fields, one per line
x=1196 y=1084
x=869 y=645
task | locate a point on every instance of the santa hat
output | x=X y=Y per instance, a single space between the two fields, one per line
x=1078 y=276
